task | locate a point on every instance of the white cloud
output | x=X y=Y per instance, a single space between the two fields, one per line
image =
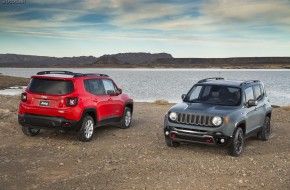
x=222 y=22
x=264 y=11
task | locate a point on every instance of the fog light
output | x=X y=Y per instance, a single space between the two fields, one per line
x=222 y=140
x=173 y=135
x=166 y=133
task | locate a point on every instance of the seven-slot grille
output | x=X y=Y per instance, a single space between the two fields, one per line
x=194 y=119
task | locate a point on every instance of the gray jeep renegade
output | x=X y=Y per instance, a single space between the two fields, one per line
x=220 y=112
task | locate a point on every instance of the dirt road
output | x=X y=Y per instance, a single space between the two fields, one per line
x=137 y=158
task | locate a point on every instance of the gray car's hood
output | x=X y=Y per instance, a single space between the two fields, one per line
x=201 y=108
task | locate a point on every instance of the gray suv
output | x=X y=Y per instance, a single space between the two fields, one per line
x=220 y=112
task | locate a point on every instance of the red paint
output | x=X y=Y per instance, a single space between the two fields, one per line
x=71 y=106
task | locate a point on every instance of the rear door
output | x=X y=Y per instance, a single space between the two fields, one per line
x=261 y=107
x=99 y=98
x=252 y=114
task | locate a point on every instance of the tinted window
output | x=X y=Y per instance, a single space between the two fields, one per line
x=257 y=92
x=94 y=86
x=249 y=94
x=109 y=86
x=213 y=94
x=48 y=86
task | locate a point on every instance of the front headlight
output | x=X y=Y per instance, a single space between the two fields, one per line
x=216 y=121
x=173 y=116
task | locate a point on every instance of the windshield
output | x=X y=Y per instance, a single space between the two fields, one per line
x=53 y=87
x=213 y=94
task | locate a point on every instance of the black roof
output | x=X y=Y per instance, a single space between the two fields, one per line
x=222 y=81
x=71 y=73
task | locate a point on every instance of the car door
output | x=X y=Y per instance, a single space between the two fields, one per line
x=251 y=112
x=100 y=99
x=261 y=107
x=114 y=100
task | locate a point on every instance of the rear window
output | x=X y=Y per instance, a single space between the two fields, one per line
x=48 y=86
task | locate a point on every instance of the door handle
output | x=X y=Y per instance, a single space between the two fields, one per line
x=95 y=100
x=110 y=99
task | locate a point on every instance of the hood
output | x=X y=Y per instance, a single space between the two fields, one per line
x=201 y=108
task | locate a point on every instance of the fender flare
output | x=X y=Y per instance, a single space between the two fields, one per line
x=242 y=122
x=87 y=110
x=129 y=104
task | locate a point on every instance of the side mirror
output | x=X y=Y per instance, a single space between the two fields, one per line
x=183 y=96
x=252 y=103
x=119 y=91
x=111 y=92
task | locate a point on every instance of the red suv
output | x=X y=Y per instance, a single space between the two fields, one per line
x=73 y=101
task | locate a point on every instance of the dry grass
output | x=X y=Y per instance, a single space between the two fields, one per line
x=286 y=108
x=8 y=81
x=161 y=102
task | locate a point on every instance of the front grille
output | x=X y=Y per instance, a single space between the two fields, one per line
x=194 y=119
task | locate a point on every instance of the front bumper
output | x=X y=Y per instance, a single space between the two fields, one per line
x=39 y=121
x=196 y=136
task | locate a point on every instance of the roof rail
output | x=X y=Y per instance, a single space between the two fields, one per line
x=213 y=78
x=71 y=73
x=55 y=72
x=89 y=74
x=248 y=82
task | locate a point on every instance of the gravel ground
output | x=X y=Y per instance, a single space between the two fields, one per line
x=137 y=158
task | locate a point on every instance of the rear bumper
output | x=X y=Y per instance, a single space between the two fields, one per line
x=39 y=121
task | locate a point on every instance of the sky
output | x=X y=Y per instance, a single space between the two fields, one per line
x=183 y=28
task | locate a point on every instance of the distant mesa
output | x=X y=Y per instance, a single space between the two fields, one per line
x=138 y=58
x=15 y=60
x=146 y=60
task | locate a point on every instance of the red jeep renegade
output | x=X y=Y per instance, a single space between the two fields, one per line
x=73 y=101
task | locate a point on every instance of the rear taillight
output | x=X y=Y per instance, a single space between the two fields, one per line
x=71 y=101
x=24 y=97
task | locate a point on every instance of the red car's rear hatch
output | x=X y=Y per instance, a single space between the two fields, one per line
x=49 y=92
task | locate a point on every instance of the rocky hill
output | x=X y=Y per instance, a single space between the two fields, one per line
x=14 y=60
x=137 y=58
x=123 y=60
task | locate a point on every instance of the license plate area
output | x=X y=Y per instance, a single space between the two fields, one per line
x=44 y=103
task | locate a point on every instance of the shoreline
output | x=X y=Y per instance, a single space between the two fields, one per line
x=166 y=66
x=16 y=83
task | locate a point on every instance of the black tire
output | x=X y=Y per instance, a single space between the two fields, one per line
x=85 y=134
x=126 y=118
x=266 y=130
x=29 y=131
x=237 y=143
x=171 y=143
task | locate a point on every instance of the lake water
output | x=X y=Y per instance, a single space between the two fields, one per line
x=152 y=84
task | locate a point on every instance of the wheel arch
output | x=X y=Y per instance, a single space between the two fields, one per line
x=129 y=105
x=269 y=114
x=91 y=112
x=242 y=125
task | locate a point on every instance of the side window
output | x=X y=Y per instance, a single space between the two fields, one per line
x=109 y=87
x=257 y=92
x=206 y=91
x=249 y=94
x=262 y=90
x=94 y=86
